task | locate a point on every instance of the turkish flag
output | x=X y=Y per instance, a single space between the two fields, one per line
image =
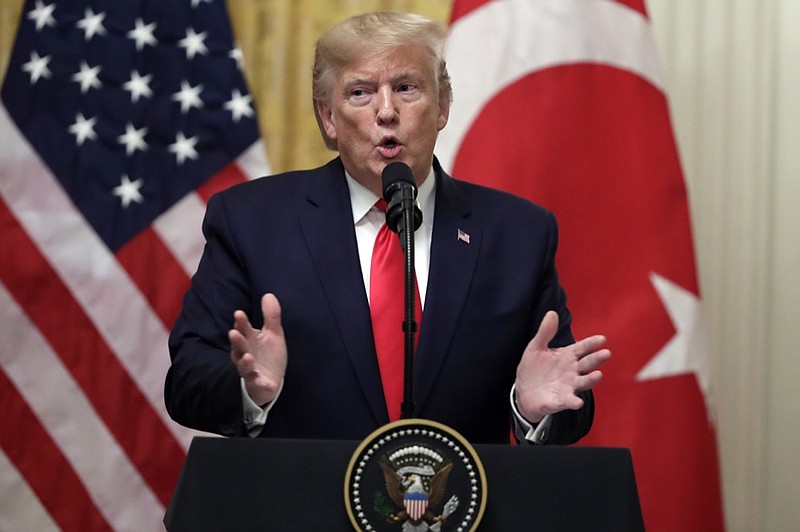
x=562 y=102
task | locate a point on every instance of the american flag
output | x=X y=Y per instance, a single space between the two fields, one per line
x=118 y=120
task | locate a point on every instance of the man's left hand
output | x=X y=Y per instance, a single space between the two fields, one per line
x=548 y=380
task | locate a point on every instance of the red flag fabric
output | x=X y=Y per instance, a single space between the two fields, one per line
x=118 y=120
x=562 y=102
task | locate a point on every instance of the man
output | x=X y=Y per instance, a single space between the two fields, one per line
x=289 y=259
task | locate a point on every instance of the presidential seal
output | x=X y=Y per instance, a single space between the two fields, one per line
x=415 y=475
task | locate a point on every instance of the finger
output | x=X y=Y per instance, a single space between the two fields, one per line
x=573 y=403
x=547 y=331
x=588 y=381
x=593 y=361
x=239 y=345
x=271 y=309
x=588 y=346
x=242 y=324
x=246 y=366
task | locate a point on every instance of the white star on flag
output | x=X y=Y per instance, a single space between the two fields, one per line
x=239 y=105
x=189 y=97
x=129 y=191
x=193 y=43
x=92 y=24
x=43 y=15
x=37 y=67
x=236 y=55
x=143 y=34
x=133 y=139
x=138 y=86
x=88 y=77
x=183 y=148
x=687 y=351
x=83 y=128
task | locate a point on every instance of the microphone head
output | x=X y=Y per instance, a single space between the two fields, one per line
x=394 y=176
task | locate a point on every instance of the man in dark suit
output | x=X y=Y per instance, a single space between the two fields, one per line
x=288 y=257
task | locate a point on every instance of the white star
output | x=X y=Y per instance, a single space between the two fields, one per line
x=239 y=105
x=188 y=96
x=43 y=15
x=138 y=86
x=143 y=34
x=236 y=55
x=83 y=128
x=87 y=77
x=129 y=191
x=37 y=67
x=92 y=24
x=133 y=139
x=183 y=148
x=687 y=351
x=193 y=43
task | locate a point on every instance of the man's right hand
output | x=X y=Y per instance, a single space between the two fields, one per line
x=260 y=354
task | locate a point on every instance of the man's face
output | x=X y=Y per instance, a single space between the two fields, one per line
x=385 y=109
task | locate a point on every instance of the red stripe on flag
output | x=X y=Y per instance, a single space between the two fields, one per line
x=36 y=456
x=225 y=178
x=61 y=320
x=141 y=257
x=637 y=5
x=463 y=7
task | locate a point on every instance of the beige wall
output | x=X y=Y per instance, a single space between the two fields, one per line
x=733 y=75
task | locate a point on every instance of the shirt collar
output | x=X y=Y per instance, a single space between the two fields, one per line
x=362 y=199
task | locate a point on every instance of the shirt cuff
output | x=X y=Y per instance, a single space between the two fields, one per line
x=537 y=433
x=255 y=417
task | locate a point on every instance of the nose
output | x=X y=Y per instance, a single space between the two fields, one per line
x=387 y=110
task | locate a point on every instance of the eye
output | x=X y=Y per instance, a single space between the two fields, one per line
x=406 y=87
x=359 y=95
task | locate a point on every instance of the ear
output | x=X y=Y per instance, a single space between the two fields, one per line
x=444 y=113
x=325 y=118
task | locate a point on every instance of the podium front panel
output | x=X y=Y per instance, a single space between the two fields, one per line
x=298 y=485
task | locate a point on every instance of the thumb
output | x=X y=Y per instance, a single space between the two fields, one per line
x=271 y=309
x=547 y=331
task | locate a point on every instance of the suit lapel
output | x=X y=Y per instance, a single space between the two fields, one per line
x=327 y=223
x=452 y=264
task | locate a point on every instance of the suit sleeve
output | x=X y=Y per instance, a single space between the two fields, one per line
x=568 y=426
x=202 y=387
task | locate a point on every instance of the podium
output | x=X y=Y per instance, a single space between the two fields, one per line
x=298 y=485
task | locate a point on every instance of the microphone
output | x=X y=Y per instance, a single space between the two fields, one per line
x=400 y=193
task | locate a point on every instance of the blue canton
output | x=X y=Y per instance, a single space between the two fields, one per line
x=131 y=104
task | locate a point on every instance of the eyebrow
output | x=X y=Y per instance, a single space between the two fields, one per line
x=414 y=75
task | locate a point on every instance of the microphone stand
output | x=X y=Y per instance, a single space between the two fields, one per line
x=406 y=233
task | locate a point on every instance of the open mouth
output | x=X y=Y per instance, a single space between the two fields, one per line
x=389 y=147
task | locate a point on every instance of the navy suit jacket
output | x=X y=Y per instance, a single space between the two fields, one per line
x=293 y=235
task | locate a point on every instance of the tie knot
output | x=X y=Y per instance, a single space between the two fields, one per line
x=381 y=205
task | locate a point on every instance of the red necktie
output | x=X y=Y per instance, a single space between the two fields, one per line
x=387 y=293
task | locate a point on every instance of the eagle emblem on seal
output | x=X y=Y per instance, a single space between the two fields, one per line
x=416 y=481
